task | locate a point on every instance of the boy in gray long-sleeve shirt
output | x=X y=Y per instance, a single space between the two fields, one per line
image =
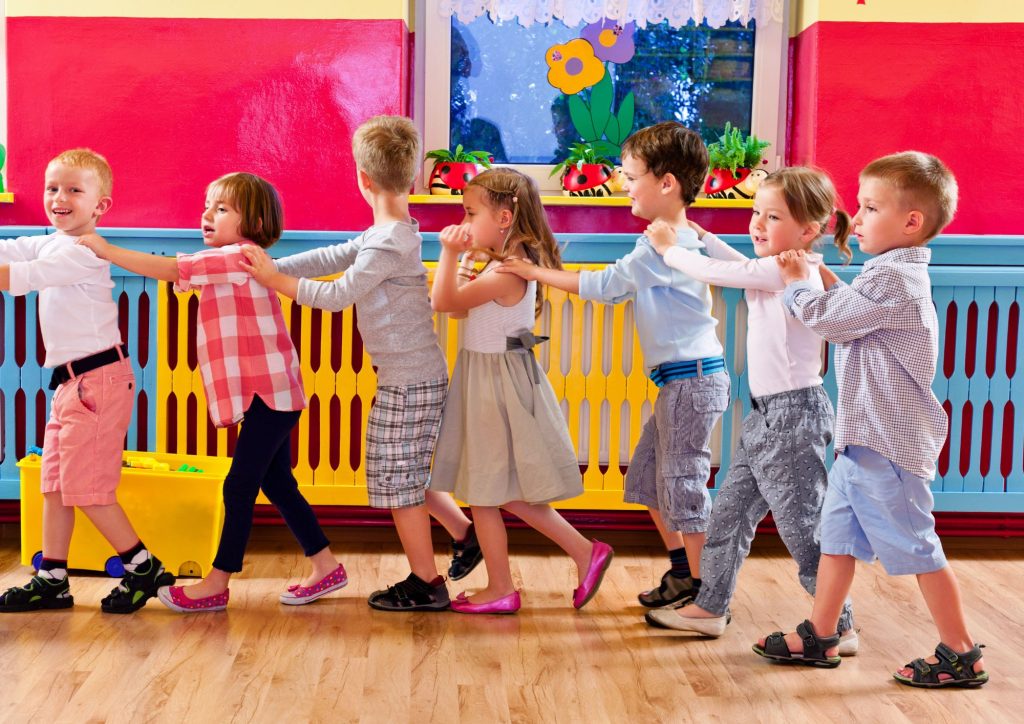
x=387 y=282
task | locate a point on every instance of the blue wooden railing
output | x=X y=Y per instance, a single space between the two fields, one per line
x=978 y=289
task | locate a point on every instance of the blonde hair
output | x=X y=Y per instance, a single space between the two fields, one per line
x=257 y=202
x=387 y=148
x=529 y=234
x=811 y=197
x=88 y=159
x=671 y=147
x=923 y=182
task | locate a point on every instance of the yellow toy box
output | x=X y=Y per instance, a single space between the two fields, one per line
x=173 y=501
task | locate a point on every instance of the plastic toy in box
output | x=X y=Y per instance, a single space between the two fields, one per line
x=173 y=501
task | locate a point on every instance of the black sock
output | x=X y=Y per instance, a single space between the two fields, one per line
x=131 y=558
x=680 y=563
x=54 y=568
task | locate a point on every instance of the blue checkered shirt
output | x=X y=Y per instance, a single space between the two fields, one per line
x=886 y=335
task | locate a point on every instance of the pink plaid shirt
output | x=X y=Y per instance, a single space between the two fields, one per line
x=242 y=344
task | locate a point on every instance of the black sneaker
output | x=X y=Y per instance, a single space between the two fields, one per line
x=39 y=594
x=137 y=587
x=672 y=591
x=466 y=555
x=412 y=594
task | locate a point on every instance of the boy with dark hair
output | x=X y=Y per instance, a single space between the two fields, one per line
x=664 y=166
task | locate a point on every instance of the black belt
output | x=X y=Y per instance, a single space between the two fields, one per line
x=80 y=366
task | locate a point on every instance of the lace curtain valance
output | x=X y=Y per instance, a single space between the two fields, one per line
x=573 y=12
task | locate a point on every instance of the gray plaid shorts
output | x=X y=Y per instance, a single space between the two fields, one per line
x=400 y=438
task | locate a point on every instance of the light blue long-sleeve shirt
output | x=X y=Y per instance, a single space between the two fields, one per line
x=672 y=311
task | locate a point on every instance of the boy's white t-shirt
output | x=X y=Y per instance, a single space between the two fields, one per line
x=77 y=314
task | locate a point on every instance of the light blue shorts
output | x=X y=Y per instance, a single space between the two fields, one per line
x=874 y=508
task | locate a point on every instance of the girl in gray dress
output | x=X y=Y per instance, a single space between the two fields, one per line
x=503 y=440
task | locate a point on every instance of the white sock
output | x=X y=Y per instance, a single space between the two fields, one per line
x=54 y=574
x=137 y=560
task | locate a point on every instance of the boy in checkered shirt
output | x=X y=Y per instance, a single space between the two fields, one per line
x=386 y=281
x=889 y=424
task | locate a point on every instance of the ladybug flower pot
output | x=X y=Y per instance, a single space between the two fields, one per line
x=588 y=179
x=451 y=177
x=722 y=183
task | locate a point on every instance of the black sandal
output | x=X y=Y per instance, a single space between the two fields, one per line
x=959 y=667
x=815 y=646
x=466 y=555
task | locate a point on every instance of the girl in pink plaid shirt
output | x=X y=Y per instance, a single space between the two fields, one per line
x=250 y=370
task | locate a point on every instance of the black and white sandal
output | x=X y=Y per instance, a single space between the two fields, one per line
x=958 y=669
x=813 y=654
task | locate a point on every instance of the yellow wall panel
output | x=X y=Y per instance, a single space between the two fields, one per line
x=592 y=360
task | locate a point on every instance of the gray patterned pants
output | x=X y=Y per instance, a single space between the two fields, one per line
x=778 y=465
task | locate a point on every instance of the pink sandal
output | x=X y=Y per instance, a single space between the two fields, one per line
x=176 y=600
x=301 y=595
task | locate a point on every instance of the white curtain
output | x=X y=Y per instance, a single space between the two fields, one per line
x=573 y=12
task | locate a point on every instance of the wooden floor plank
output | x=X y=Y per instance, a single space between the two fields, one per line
x=340 y=661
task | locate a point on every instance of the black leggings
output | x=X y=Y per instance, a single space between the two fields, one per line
x=263 y=460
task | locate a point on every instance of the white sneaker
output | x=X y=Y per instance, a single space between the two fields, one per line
x=849 y=643
x=670 y=618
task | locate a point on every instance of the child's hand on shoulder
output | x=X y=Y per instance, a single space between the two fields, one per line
x=523 y=268
x=661 y=235
x=95 y=243
x=455 y=237
x=793 y=266
x=698 y=229
x=259 y=263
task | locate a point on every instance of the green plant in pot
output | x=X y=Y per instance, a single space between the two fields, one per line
x=735 y=163
x=586 y=172
x=454 y=169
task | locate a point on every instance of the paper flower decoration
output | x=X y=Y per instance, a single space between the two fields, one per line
x=612 y=41
x=573 y=66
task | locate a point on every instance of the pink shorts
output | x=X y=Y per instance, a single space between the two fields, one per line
x=84 y=436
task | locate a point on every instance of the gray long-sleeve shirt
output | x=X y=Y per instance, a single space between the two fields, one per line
x=386 y=280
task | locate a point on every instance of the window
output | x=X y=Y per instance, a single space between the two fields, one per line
x=491 y=85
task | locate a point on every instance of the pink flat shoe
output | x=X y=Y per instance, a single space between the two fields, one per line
x=508 y=604
x=600 y=559
x=301 y=595
x=176 y=600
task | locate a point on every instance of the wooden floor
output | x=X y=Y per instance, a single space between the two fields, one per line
x=339 y=661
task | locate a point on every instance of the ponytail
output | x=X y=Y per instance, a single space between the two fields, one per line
x=842 y=235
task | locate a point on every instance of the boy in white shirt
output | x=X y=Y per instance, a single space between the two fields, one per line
x=93 y=383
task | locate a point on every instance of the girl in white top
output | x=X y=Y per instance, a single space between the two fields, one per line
x=503 y=440
x=779 y=461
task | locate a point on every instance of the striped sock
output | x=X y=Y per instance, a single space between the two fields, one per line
x=680 y=563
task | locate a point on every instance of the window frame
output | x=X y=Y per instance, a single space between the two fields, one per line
x=433 y=50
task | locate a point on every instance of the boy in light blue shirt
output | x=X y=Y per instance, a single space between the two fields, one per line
x=664 y=166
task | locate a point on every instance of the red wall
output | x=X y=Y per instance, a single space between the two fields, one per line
x=174 y=104
x=862 y=90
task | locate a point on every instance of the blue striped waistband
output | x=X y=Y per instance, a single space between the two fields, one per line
x=669 y=371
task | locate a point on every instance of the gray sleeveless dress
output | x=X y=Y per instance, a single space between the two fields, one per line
x=503 y=437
